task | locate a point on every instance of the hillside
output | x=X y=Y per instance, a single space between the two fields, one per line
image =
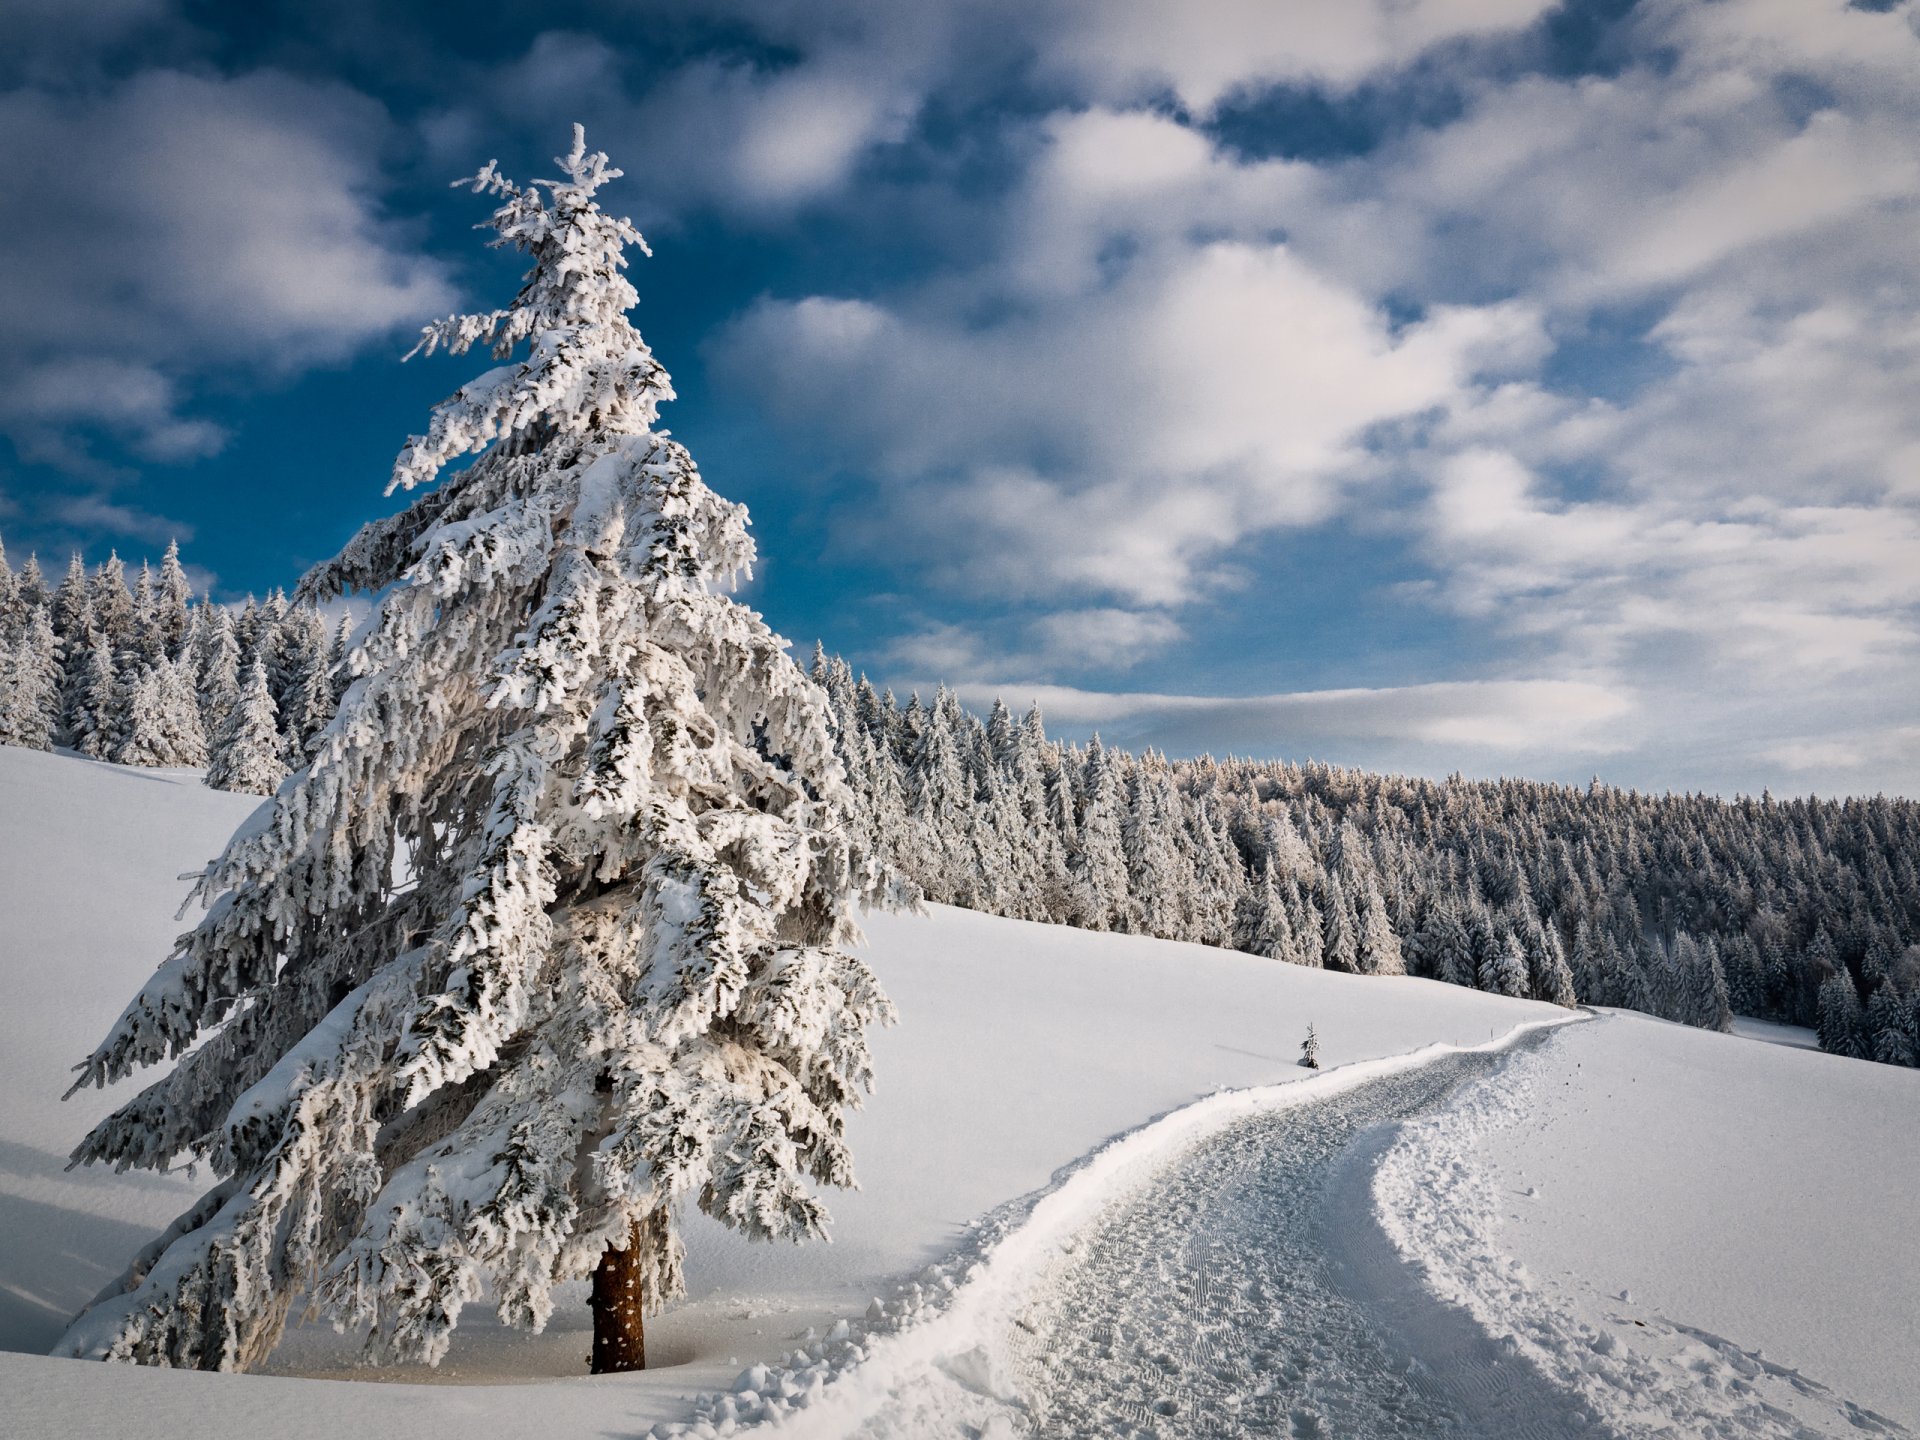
x=1021 y=1048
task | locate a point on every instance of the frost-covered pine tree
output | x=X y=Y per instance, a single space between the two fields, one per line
x=73 y=619
x=1506 y=973
x=98 y=717
x=1310 y=1049
x=173 y=600
x=112 y=601
x=30 y=684
x=1377 y=946
x=163 y=720
x=219 y=662
x=1842 y=1019
x=1099 y=867
x=12 y=615
x=248 y=757
x=550 y=935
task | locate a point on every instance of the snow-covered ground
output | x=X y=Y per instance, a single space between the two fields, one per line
x=1021 y=1050
x=1657 y=1213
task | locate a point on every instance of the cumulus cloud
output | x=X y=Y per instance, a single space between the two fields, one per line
x=1121 y=426
x=722 y=133
x=180 y=223
x=1173 y=352
x=95 y=514
x=1203 y=50
x=1061 y=641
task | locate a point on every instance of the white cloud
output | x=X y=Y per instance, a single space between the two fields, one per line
x=179 y=223
x=1556 y=722
x=1202 y=50
x=1117 y=442
x=1167 y=353
x=134 y=401
x=751 y=141
x=96 y=514
x=1063 y=641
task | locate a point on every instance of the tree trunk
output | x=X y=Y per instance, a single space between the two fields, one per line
x=619 y=1337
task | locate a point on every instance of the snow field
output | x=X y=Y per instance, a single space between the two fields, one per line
x=1693 y=1230
x=1732 y=1188
x=1021 y=1047
x=90 y=859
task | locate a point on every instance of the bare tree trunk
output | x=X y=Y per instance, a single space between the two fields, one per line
x=619 y=1337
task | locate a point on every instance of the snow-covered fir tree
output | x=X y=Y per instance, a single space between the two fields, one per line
x=99 y=716
x=30 y=684
x=111 y=601
x=173 y=601
x=163 y=719
x=12 y=614
x=248 y=756
x=218 y=660
x=550 y=935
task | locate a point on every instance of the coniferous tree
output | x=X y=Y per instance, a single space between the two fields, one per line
x=1378 y=947
x=112 y=602
x=30 y=684
x=1551 y=977
x=30 y=586
x=615 y=968
x=1453 y=947
x=1340 y=943
x=147 y=645
x=163 y=720
x=173 y=601
x=1842 y=1023
x=1100 y=868
x=100 y=717
x=1890 y=1027
x=73 y=617
x=219 y=661
x=1506 y=974
x=12 y=615
x=247 y=754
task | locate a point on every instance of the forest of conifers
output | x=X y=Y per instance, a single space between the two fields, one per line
x=1685 y=906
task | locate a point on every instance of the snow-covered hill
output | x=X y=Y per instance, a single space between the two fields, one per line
x=1020 y=1050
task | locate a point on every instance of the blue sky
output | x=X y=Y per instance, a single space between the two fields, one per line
x=1488 y=385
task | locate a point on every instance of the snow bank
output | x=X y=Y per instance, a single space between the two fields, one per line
x=1688 y=1228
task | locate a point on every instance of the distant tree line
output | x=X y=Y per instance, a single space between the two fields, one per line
x=137 y=673
x=1687 y=907
x=1684 y=906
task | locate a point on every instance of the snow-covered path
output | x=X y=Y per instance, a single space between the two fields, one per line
x=1246 y=1290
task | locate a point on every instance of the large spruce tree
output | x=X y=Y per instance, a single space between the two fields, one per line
x=549 y=936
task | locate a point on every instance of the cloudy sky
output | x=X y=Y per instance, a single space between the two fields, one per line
x=1490 y=385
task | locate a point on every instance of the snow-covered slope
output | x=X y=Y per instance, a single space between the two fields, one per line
x=1678 y=1202
x=1021 y=1049
x=90 y=859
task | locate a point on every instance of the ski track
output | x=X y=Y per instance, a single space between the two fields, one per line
x=1223 y=1272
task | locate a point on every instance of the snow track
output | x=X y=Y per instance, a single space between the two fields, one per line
x=1247 y=1291
x=1207 y=1274
x=1252 y=1265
